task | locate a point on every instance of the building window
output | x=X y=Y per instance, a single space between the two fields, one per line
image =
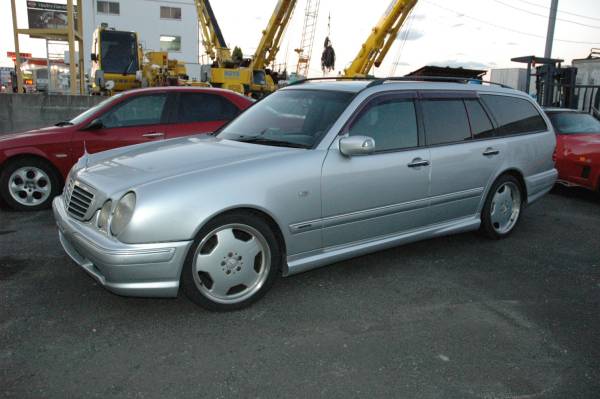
x=170 y=12
x=170 y=43
x=108 y=7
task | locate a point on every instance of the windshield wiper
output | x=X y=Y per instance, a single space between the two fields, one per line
x=277 y=143
x=130 y=64
x=64 y=123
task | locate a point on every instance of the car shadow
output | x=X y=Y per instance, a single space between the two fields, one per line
x=577 y=193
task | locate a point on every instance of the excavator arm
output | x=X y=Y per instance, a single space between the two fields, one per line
x=212 y=37
x=271 y=37
x=377 y=45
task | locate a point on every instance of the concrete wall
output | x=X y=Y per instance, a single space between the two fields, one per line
x=21 y=112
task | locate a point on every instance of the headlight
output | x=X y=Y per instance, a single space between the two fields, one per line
x=123 y=213
x=104 y=216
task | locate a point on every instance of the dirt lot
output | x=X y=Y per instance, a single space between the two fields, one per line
x=455 y=317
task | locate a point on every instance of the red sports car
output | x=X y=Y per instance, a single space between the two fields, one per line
x=34 y=164
x=577 y=153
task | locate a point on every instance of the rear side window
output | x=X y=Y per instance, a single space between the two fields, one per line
x=445 y=121
x=137 y=111
x=204 y=107
x=392 y=123
x=481 y=126
x=514 y=115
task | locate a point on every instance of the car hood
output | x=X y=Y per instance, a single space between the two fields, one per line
x=46 y=134
x=128 y=167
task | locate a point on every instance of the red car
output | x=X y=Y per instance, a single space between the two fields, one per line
x=34 y=164
x=577 y=153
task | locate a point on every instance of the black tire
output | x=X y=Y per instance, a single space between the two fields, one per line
x=189 y=282
x=11 y=166
x=487 y=226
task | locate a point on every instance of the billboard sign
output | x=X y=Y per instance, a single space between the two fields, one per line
x=42 y=15
x=13 y=56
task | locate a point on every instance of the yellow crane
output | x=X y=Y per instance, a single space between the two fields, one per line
x=251 y=77
x=377 y=45
x=271 y=37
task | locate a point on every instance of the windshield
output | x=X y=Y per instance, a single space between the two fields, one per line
x=86 y=114
x=118 y=52
x=573 y=122
x=297 y=118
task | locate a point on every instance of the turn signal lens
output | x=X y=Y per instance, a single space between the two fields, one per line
x=104 y=216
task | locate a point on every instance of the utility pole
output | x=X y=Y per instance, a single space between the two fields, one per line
x=550 y=34
x=18 y=74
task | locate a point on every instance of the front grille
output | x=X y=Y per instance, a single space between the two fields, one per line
x=78 y=200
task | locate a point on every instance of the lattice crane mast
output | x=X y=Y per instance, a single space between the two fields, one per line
x=311 y=14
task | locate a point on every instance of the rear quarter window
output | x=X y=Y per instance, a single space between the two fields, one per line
x=204 y=107
x=445 y=121
x=514 y=115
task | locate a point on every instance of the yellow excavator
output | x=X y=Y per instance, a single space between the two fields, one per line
x=251 y=76
x=383 y=35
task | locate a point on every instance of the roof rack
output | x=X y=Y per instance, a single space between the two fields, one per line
x=379 y=81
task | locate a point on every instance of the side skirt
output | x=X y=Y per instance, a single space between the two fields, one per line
x=310 y=260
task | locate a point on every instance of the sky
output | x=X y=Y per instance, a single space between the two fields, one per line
x=481 y=34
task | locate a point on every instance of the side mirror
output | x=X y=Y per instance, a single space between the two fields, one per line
x=96 y=124
x=93 y=57
x=357 y=145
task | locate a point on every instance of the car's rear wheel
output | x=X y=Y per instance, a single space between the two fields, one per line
x=28 y=184
x=234 y=261
x=502 y=209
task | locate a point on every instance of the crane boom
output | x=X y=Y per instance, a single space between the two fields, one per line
x=377 y=45
x=212 y=37
x=271 y=37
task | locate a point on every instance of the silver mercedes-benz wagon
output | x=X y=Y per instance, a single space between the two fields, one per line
x=315 y=173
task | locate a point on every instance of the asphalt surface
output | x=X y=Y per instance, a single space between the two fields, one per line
x=454 y=317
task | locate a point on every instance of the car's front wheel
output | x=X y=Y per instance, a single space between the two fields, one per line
x=502 y=208
x=28 y=184
x=233 y=261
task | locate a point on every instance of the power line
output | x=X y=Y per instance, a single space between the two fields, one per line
x=560 y=11
x=403 y=40
x=545 y=16
x=461 y=14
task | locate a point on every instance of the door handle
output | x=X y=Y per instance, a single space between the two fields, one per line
x=417 y=162
x=490 y=151
x=153 y=135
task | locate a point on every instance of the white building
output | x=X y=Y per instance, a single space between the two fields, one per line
x=167 y=25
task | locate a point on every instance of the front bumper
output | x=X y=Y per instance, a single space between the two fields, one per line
x=147 y=270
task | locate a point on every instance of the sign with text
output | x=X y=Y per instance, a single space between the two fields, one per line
x=42 y=15
x=13 y=56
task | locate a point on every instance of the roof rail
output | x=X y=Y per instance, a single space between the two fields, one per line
x=300 y=81
x=379 y=81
